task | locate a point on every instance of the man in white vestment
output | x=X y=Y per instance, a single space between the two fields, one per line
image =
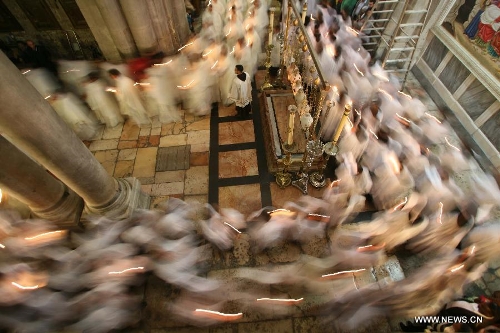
x=74 y=113
x=129 y=99
x=241 y=92
x=101 y=102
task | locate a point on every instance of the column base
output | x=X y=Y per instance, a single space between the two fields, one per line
x=129 y=198
x=66 y=213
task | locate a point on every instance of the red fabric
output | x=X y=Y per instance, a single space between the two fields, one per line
x=138 y=66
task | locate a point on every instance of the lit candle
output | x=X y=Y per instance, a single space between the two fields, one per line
x=271 y=25
x=291 y=122
x=304 y=12
x=347 y=111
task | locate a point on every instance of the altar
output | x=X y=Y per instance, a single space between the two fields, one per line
x=274 y=104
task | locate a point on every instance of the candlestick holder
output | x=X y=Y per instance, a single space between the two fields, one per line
x=317 y=178
x=267 y=81
x=313 y=149
x=284 y=178
x=278 y=83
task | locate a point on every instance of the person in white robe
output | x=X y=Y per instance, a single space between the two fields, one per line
x=241 y=92
x=219 y=7
x=255 y=44
x=74 y=113
x=129 y=98
x=193 y=87
x=261 y=18
x=215 y=19
x=161 y=90
x=225 y=73
x=233 y=31
x=102 y=102
x=243 y=55
x=42 y=80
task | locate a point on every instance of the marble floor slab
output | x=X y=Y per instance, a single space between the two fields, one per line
x=245 y=198
x=236 y=132
x=238 y=163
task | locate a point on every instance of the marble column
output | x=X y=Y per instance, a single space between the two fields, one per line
x=141 y=25
x=99 y=29
x=119 y=30
x=31 y=184
x=178 y=26
x=31 y=124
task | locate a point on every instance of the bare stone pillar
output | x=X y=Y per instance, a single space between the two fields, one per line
x=141 y=26
x=178 y=15
x=32 y=125
x=114 y=19
x=99 y=29
x=32 y=185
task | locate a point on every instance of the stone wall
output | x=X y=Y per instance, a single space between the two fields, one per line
x=61 y=43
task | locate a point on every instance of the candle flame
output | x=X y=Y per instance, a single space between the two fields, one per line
x=355 y=32
x=356 y=67
x=449 y=144
x=405 y=95
x=281 y=299
x=232 y=227
x=457 y=268
x=24 y=287
x=186 y=86
x=219 y=313
x=335 y=183
x=440 y=216
x=281 y=212
x=395 y=164
x=44 y=234
x=127 y=270
x=433 y=117
x=164 y=63
x=381 y=77
x=185 y=46
x=401 y=204
x=375 y=135
x=386 y=93
x=403 y=118
x=343 y=272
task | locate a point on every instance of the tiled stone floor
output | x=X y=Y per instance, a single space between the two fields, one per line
x=227 y=168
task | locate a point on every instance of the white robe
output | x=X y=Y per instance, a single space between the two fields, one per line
x=161 y=90
x=74 y=113
x=102 y=103
x=130 y=101
x=241 y=91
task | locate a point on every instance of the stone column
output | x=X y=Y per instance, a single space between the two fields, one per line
x=31 y=124
x=178 y=27
x=32 y=185
x=141 y=25
x=117 y=25
x=99 y=29
x=169 y=21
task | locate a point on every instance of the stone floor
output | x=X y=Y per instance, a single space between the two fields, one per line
x=220 y=159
